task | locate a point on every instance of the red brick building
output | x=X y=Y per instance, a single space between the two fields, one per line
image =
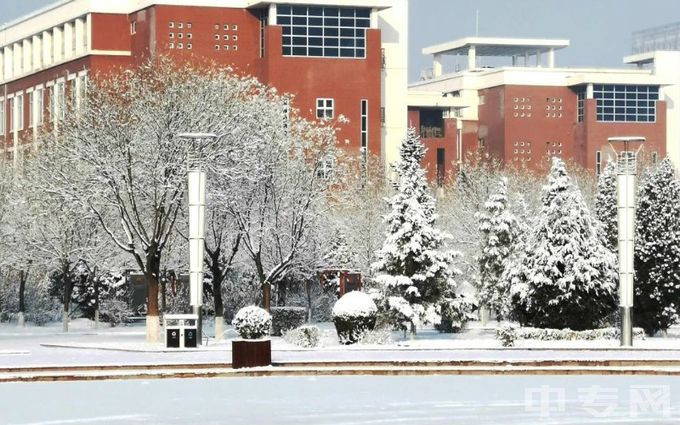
x=528 y=111
x=329 y=54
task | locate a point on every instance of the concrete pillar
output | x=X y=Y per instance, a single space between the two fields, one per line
x=514 y=60
x=472 y=57
x=437 y=66
x=589 y=91
x=551 y=58
x=526 y=58
x=538 y=58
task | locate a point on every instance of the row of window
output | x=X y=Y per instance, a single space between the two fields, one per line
x=626 y=103
x=324 y=31
x=12 y=108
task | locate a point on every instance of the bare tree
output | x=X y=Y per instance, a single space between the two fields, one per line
x=131 y=163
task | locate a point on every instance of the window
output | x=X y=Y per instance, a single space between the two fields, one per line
x=382 y=115
x=180 y=25
x=18 y=112
x=234 y=28
x=598 y=163
x=2 y=118
x=171 y=24
x=324 y=108
x=325 y=168
x=364 y=123
x=31 y=109
x=171 y=35
x=133 y=27
x=39 y=106
x=655 y=158
x=441 y=166
x=482 y=99
x=324 y=31
x=626 y=103
x=431 y=123
x=263 y=30
x=189 y=46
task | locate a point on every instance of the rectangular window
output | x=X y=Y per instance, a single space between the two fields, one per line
x=31 y=109
x=441 y=166
x=655 y=158
x=39 y=106
x=431 y=123
x=18 y=112
x=598 y=163
x=364 y=123
x=263 y=30
x=325 y=108
x=324 y=31
x=626 y=103
x=2 y=117
x=133 y=27
x=580 y=104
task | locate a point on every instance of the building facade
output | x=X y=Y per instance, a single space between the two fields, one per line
x=334 y=56
x=524 y=110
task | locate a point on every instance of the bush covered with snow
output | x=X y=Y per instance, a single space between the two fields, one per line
x=114 y=310
x=353 y=315
x=454 y=313
x=304 y=336
x=252 y=322
x=286 y=318
x=377 y=337
x=507 y=334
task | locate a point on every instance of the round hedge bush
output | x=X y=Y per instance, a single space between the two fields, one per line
x=252 y=322
x=353 y=315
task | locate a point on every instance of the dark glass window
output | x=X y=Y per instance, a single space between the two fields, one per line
x=625 y=103
x=321 y=30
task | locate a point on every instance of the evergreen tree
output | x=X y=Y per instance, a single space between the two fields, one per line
x=657 y=250
x=568 y=276
x=499 y=231
x=414 y=266
x=606 y=207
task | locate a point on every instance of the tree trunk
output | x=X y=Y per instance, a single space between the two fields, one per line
x=21 y=319
x=151 y=277
x=65 y=270
x=266 y=286
x=95 y=281
x=217 y=296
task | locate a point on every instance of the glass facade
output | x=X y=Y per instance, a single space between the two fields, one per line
x=626 y=103
x=324 y=31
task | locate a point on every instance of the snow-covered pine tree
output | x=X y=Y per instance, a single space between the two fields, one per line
x=606 y=208
x=568 y=276
x=499 y=230
x=414 y=266
x=657 y=250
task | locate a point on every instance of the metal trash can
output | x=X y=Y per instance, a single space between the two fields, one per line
x=181 y=330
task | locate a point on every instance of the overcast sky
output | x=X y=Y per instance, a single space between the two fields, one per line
x=599 y=30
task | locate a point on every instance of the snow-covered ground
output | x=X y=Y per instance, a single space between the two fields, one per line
x=352 y=400
x=84 y=345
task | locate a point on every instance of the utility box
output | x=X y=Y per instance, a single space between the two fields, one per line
x=181 y=330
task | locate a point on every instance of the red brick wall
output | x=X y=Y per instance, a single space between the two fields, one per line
x=348 y=81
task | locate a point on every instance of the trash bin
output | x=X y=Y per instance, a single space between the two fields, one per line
x=181 y=330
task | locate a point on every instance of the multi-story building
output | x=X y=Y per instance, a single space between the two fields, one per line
x=525 y=110
x=335 y=56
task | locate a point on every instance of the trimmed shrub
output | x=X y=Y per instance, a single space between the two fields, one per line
x=502 y=334
x=507 y=334
x=287 y=318
x=252 y=322
x=304 y=336
x=455 y=313
x=353 y=315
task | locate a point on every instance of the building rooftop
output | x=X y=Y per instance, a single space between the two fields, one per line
x=497 y=46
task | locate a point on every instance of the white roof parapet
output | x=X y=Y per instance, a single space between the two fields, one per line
x=438 y=99
x=374 y=4
x=496 y=46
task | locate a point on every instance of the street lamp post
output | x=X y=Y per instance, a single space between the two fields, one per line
x=625 y=189
x=196 y=198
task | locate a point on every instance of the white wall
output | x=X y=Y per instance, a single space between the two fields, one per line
x=393 y=23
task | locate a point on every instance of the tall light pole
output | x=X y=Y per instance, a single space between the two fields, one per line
x=196 y=198
x=625 y=189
